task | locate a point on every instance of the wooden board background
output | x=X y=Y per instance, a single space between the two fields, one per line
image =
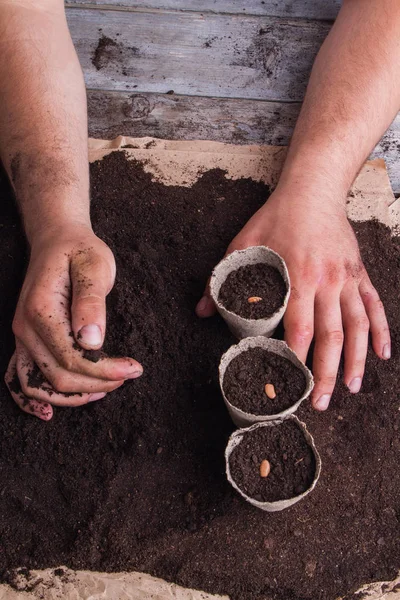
x=238 y=69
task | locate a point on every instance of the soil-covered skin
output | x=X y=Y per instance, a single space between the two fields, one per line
x=291 y=460
x=136 y=481
x=253 y=281
x=247 y=375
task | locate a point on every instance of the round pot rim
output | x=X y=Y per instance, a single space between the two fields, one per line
x=276 y=505
x=263 y=342
x=286 y=279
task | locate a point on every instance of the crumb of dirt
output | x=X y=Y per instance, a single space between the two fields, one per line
x=93 y=355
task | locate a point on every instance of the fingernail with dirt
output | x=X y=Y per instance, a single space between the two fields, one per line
x=355 y=385
x=90 y=335
x=97 y=396
x=323 y=402
x=135 y=374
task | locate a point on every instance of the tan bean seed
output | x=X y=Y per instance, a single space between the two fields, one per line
x=265 y=468
x=270 y=390
x=254 y=299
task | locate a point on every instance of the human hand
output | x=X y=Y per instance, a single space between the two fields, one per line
x=332 y=298
x=61 y=313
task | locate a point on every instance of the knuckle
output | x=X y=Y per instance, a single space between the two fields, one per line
x=362 y=324
x=379 y=305
x=332 y=273
x=34 y=306
x=310 y=273
x=67 y=362
x=327 y=381
x=302 y=332
x=59 y=382
x=89 y=301
x=333 y=337
x=18 y=328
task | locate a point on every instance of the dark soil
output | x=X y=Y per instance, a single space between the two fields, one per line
x=291 y=459
x=110 y=54
x=36 y=379
x=136 y=481
x=98 y=58
x=260 y=281
x=248 y=373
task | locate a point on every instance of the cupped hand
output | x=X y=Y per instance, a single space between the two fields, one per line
x=60 y=321
x=332 y=298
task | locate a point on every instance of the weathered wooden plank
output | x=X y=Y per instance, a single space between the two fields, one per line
x=218 y=119
x=193 y=54
x=305 y=9
x=184 y=117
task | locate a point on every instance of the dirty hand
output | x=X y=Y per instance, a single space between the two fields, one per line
x=61 y=312
x=332 y=297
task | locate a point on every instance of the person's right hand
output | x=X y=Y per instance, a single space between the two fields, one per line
x=61 y=313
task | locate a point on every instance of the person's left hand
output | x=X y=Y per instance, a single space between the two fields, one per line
x=332 y=298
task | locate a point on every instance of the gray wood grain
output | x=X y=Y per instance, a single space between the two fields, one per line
x=192 y=54
x=223 y=120
x=307 y=9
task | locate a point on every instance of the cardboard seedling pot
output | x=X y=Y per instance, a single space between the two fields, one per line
x=237 y=437
x=242 y=418
x=240 y=326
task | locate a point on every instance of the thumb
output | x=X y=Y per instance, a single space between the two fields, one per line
x=92 y=277
x=206 y=305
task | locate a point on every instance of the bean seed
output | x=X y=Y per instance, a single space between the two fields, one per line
x=265 y=468
x=270 y=390
x=254 y=299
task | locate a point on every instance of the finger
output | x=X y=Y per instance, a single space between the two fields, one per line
x=58 y=378
x=52 y=324
x=206 y=306
x=328 y=346
x=42 y=410
x=92 y=277
x=299 y=320
x=377 y=318
x=356 y=328
x=35 y=385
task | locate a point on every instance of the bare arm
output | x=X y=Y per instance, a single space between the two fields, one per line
x=353 y=95
x=43 y=144
x=43 y=122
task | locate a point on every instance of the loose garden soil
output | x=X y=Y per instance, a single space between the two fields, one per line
x=253 y=281
x=290 y=457
x=248 y=373
x=136 y=481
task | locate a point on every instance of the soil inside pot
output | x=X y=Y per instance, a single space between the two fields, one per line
x=247 y=375
x=290 y=457
x=260 y=283
x=137 y=481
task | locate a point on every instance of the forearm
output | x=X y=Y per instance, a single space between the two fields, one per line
x=352 y=97
x=43 y=122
